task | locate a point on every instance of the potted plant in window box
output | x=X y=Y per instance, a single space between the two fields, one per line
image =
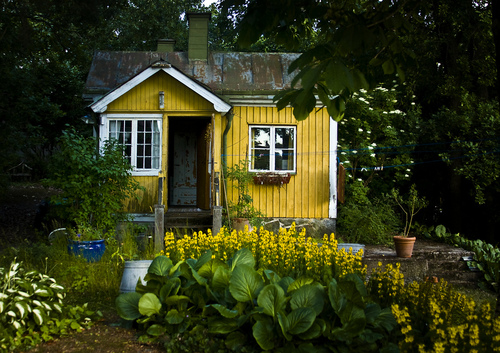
x=242 y=213
x=410 y=206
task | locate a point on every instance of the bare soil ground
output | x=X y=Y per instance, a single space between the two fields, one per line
x=18 y=210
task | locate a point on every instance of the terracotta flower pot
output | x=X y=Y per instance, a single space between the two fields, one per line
x=240 y=223
x=404 y=245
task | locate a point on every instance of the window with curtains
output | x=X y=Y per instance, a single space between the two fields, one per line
x=141 y=139
x=273 y=148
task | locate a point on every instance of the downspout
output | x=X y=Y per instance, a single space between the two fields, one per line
x=230 y=116
x=224 y=139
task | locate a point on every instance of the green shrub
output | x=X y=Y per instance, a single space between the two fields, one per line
x=366 y=220
x=95 y=184
x=255 y=310
x=32 y=309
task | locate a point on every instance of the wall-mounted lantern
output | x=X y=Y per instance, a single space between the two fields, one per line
x=162 y=99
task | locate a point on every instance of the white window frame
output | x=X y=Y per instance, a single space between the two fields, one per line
x=272 y=149
x=104 y=135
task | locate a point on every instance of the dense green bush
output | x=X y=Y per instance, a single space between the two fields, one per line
x=94 y=183
x=32 y=309
x=257 y=310
x=367 y=220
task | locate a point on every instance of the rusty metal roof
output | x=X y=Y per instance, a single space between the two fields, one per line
x=223 y=73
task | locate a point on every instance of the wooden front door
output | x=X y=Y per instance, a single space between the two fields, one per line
x=189 y=179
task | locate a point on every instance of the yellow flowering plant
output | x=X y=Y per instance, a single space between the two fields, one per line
x=435 y=317
x=288 y=252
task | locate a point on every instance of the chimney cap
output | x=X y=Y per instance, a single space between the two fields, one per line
x=199 y=15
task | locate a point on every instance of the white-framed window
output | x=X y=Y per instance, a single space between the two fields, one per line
x=273 y=148
x=141 y=137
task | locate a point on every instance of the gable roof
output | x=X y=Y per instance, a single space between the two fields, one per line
x=227 y=74
x=100 y=105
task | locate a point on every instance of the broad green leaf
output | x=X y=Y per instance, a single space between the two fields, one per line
x=42 y=292
x=299 y=282
x=272 y=276
x=127 y=305
x=337 y=298
x=203 y=259
x=225 y=312
x=285 y=283
x=174 y=317
x=243 y=257
x=308 y=296
x=338 y=77
x=57 y=307
x=177 y=299
x=199 y=279
x=38 y=316
x=388 y=67
x=351 y=328
x=235 y=340
x=171 y=287
x=313 y=332
x=156 y=330
x=372 y=311
x=310 y=76
x=160 y=266
x=222 y=325
x=300 y=320
x=208 y=269
x=284 y=325
x=303 y=104
x=272 y=299
x=221 y=278
x=386 y=320
x=263 y=334
x=23 y=309
x=245 y=283
x=149 y=304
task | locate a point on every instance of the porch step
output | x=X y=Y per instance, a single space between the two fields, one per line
x=188 y=219
x=429 y=259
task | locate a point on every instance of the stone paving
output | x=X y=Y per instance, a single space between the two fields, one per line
x=430 y=259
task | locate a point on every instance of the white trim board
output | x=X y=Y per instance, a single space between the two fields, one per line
x=101 y=105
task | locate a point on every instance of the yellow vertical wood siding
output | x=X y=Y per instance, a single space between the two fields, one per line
x=145 y=97
x=307 y=194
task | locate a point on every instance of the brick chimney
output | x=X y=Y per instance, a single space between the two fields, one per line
x=198 y=35
x=165 y=45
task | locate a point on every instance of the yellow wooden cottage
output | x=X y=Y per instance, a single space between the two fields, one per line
x=182 y=115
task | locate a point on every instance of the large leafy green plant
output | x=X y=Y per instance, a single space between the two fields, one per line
x=32 y=309
x=256 y=308
x=95 y=183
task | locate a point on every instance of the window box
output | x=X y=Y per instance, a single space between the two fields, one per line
x=271 y=179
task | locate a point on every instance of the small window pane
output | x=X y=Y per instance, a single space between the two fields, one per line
x=261 y=160
x=284 y=137
x=284 y=160
x=261 y=137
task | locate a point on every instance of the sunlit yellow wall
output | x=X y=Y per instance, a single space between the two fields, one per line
x=307 y=194
x=143 y=99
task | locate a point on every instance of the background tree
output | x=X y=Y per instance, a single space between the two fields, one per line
x=444 y=52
